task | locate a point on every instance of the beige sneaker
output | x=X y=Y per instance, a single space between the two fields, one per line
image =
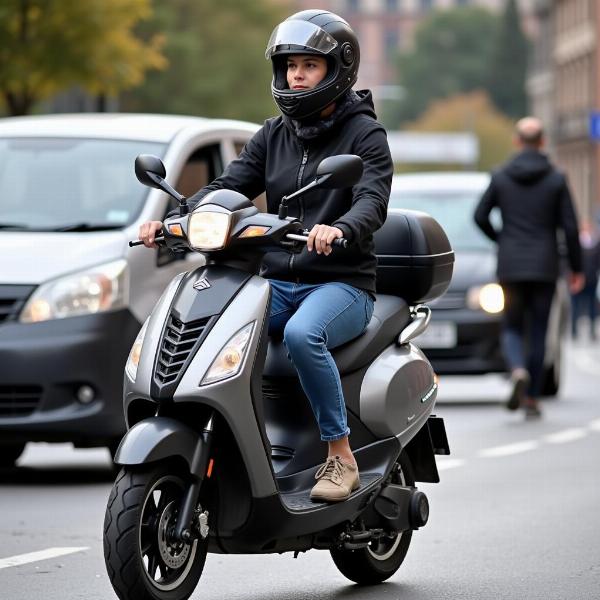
x=336 y=480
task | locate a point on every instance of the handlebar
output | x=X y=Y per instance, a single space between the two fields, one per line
x=157 y=240
x=341 y=242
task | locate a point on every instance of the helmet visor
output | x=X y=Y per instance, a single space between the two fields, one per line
x=299 y=33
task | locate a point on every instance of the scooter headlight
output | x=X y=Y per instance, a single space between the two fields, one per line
x=91 y=291
x=489 y=298
x=231 y=358
x=208 y=230
x=136 y=352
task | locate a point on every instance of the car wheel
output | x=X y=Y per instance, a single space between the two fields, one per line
x=551 y=376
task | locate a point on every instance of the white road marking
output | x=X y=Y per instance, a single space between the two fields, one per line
x=23 y=559
x=567 y=435
x=509 y=449
x=595 y=425
x=449 y=463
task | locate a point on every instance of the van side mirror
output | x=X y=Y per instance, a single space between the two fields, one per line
x=343 y=170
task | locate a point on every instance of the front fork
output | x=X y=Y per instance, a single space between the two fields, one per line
x=183 y=528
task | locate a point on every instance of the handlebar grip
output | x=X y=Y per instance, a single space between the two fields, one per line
x=157 y=240
x=341 y=242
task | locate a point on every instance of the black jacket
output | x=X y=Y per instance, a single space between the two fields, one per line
x=534 y=202
x=277 y=161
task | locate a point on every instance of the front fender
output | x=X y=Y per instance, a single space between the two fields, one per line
x=157 y=438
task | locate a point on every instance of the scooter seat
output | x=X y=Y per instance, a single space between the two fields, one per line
x=390 y=316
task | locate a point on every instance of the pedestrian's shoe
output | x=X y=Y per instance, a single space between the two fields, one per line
x=336 y=480
x=520 y=381
x=532 y=408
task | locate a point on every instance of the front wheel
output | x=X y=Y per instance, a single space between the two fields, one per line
x=142 y=561
x=383 y=557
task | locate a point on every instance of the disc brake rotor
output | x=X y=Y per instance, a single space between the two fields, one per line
x=174 y=554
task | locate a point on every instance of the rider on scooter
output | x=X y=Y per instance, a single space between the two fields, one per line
x=319 y=300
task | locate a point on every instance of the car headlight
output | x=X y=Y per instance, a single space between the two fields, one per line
x=489 y=298
x=94 y=290
x=136 y=352
x=208 y=230
x=229 y=361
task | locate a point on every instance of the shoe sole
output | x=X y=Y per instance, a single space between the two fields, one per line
x=514 y=402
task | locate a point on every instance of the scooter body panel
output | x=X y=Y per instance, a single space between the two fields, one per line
x=398 y=393
x=232 y=397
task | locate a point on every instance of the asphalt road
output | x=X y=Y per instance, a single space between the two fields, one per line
x=516 y=516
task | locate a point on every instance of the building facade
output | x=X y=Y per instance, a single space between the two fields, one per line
x=564 y=91
x=387 y=27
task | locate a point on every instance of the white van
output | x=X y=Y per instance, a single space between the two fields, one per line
x=73 y=294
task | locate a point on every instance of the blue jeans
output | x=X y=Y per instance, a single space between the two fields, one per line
x=313 y=319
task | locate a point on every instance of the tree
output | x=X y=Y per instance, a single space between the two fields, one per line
x=471 y=112
x=48 y=46
x=451 y=55
x=217 y=64
x=508 y=67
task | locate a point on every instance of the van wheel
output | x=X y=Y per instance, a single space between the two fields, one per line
x=142 y=560
x=383 y=557
x=9 y=454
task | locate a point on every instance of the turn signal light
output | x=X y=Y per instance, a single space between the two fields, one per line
x=254 y=231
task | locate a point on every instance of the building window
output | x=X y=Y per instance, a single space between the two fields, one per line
x=426 y=4
x=391 y=6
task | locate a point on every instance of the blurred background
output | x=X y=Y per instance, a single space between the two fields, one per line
x=463 y=67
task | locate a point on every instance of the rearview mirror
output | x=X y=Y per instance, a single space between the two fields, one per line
x=343 y=170
x=147 y=165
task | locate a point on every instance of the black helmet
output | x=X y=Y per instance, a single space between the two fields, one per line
x=316 y=32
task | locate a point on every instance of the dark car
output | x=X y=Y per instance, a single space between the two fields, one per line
x=463 y=337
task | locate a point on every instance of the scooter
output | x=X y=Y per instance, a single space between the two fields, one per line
x=222 y=446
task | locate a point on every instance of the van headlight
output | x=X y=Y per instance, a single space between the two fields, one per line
x=489 y=298
x=231 y=358
x=136 y=352
x=87 y=292
x=208 y=230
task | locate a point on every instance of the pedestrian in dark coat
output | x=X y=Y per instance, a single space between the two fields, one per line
x=534 y=202
x=586 y=301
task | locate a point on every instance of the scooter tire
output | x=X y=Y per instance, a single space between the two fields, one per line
x=368 y=566
x=123 y=554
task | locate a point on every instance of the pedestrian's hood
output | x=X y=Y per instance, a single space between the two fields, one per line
x=528 y=166
x=32 y=257
x=473 y=268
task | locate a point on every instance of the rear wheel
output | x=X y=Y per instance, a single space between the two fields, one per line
x=382 y=557
x=142 y=559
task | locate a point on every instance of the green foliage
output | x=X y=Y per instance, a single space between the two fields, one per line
x=216 y=59
x=506 y=83
x=451 y=55
x=471 y=112
x=48 y=46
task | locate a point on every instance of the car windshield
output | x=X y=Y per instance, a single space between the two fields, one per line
x=453 y=211
x=70 y=184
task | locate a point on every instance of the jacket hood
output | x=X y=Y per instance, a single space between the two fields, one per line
x=350 y=104
x=528 y=166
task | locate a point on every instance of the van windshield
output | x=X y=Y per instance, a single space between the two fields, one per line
x=453 y=211
x=70 y=184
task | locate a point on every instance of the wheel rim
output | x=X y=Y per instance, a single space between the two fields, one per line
x=166 y=563
x=385 y=546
